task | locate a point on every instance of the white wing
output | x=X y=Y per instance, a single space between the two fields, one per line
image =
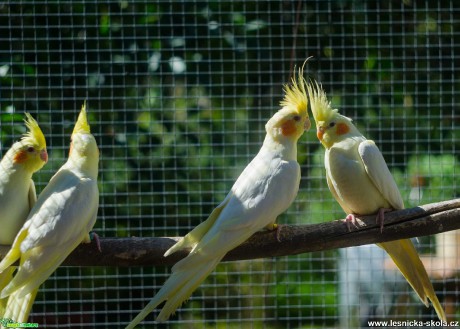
x=258 y=198
x=60 y=220
x=379 y=173
x=265 y=188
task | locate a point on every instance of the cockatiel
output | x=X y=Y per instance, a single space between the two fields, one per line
x=60 y=220
x=17 y=189
x=264 y=190
x=362 y=184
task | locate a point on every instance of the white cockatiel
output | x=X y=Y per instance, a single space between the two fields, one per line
x=60 y=220
x=362 y=184
x=264 y=190
x=17 y=191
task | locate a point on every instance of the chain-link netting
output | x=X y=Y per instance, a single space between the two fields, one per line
x=178 y=93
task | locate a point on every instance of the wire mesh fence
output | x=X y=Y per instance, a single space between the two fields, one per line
x=178 y=94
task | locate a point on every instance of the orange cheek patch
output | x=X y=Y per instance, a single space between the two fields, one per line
x=20 y=157
x=342 y=129
x=288 y=128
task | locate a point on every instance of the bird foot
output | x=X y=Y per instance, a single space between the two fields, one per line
x=94 y=236
x=379 y=219
x=276 y=227
x=350 y=220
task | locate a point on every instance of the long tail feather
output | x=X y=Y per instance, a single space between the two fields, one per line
x=186 y=290
x=18 y=308
x=5 y=277
x=178 y=288
x=408 y=262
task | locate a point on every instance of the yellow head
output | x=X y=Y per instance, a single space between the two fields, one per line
x=30 y=151
x=84 y=153
x=331 y=126
x=292 y=120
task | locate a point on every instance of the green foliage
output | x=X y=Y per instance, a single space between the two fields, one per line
x=433 y=178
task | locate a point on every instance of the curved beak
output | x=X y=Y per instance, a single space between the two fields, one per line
x=44 y=155
x=320 y=132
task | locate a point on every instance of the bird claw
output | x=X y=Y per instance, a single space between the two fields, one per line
x=94 y=236
x=350 y=220
x=276 y=227
x=379 y=219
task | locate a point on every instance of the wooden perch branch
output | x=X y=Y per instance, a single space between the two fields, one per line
x=293 y=239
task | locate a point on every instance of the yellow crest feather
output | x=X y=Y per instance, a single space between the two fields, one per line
x=34 y=135
x=82 y=126
x=295 y=97
x=319 y=104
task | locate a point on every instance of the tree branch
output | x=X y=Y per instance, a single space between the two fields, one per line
x=293 y=239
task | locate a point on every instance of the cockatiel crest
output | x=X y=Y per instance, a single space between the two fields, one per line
x=82 y=126
x=320 y=105
x=31 y=149
x=331 y=126
x=292 y=119
x=34 y=136
x=83 y=141
x=295 y=98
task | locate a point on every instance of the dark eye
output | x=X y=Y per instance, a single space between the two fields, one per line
x=296 y=118
x=332 y=124
x=30 y=149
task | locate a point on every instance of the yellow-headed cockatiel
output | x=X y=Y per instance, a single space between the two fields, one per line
x=60 y=220
x=362 y=184
x=264 y=190
x=17 y=189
